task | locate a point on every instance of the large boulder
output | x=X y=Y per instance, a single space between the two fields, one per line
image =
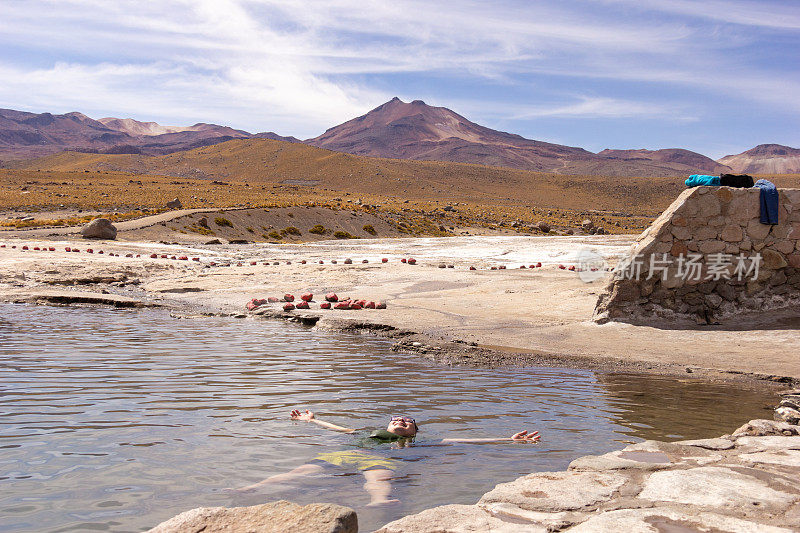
x=174 y=204
x=274 y=517
x=99 y=228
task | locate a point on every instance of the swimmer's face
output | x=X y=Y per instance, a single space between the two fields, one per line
x=403 y=426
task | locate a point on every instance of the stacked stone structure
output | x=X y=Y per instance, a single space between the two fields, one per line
x=708 y=257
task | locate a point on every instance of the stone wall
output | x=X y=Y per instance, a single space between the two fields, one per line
x=708 y=257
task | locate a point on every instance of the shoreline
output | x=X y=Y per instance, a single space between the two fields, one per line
x=485 y=318
x=453 y=353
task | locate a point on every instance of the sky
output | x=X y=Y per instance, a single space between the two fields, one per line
x=716 y=77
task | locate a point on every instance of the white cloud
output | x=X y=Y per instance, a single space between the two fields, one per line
x=761 y=13
x=297 y=66
x=601 y=107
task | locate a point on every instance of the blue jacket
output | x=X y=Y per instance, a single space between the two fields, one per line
x=696 y=180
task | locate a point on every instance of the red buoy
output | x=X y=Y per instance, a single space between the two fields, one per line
x=255 y=302
x=307 y=296
x=325 y=305
x=288 y=306
x=331 y=297
x=302 y=305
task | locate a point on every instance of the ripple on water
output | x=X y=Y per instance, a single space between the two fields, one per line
x=117 y=419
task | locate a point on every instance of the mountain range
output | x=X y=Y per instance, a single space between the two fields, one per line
x=395 y=129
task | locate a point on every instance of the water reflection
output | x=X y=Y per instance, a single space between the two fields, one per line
x=117 y=419
x=670 y=408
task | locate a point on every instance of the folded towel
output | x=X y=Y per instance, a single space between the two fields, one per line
x=769 y=202
x=696 y=180
x=736 y=180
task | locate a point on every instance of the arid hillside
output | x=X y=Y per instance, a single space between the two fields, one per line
x=267 y=161
x=765 y=159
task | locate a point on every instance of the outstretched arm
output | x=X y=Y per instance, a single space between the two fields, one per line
x=522 y=436
x=308 y=416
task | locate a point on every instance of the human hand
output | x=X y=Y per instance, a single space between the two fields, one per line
x=524 y=436
x=308 y=416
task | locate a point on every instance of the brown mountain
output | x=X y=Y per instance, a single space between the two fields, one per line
x=395 y=129
x=418 y=131
x=765 y=159
x=275 y=137
x=675 y=157
x=25 y=135
x=135 y=127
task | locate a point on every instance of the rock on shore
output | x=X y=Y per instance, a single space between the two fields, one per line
x=274 y=517
x=741 y=482
x=99 y=228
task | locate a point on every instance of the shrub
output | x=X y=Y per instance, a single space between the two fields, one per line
x=369 y=229
x=200 y=229
x=251 y=230
x=319 y=229
x=220 y=221
x=291 y=230
x=275 y=235
x=343 y=235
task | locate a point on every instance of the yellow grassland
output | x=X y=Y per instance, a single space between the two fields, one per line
x=266 y=173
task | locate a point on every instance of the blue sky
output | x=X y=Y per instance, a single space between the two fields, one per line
x=717 y=77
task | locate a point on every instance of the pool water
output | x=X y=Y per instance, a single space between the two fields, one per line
x=115 y=420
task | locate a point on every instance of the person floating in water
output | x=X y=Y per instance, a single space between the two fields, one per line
x=377 y=470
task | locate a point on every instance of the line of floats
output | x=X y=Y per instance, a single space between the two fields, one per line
x=219 y=263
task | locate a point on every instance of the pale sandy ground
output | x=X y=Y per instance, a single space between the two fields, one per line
x=543 y=313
